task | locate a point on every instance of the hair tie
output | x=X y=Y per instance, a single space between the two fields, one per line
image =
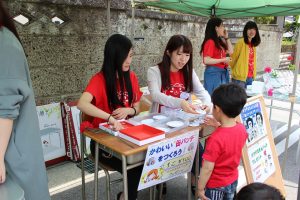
x=134 y=111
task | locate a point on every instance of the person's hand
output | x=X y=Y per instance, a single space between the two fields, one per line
x=201 y=195
x=121 y=113
x=186 y=107
x=226 y=60
x=211 y=121
x=2 y=172
x=206 y=108
x=116 y=125
x=225 y=33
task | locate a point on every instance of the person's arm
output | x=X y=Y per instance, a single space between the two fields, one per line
x=211 y=61
x=85 y=105
x=205 y=173
x=154 y=86
x=208 y=54
x=122 y=113
x=235 y=55
x=209 y=120
x=5 y=133
x=228 y=42
x=229 y=46
x=200 y=92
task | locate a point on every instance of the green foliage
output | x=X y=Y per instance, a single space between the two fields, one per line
x=292 y=67
x=274 y=74
x=265 y=20
x=292 y=27
x=287 y=42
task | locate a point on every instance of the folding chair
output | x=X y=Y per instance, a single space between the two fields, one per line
x=105 y=168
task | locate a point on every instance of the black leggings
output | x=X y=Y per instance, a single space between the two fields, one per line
x=133 y=174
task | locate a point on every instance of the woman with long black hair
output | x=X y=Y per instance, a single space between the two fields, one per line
x=173 y=80
x=111 y=95
x=215 y=49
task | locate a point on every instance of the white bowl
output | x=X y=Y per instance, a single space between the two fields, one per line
x=147 y=121
x=159 y=117
x=175 y=124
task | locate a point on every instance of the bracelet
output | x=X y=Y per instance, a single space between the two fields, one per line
x=108 y=118
x=134 y=111
x=226 y=38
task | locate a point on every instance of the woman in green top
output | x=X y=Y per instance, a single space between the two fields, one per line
x=243 y=59
x=20 y=144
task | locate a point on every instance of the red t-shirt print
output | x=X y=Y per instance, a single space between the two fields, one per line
x=176 y=84
x=125 y=97
x=251 y=61
x=212 y=51
x=97 y=88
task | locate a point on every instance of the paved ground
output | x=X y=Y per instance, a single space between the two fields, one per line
x=65 y=179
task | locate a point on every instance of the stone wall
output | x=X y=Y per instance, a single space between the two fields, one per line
x=62 y=58
x=268 y=52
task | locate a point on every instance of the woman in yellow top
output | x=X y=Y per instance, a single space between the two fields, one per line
x=243 y=63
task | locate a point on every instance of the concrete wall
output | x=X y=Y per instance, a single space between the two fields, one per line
x=62 y=58
x=268 y=52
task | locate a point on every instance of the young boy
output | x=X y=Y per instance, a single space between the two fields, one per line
x=219 y=173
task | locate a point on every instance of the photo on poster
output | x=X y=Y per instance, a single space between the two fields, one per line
x=261 y=160
x=254 y=122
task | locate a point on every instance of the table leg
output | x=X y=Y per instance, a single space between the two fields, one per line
x=298 y=154
x=125 y=181
x=151 y=193
x=96 y=170
x=197 y=170
x=189 y=186
x=82 y=138
x=298 y=195
x=271 y=107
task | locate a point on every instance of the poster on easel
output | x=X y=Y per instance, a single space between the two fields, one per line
x=51 y=131
x=253 y=120
x=261 y=160
x=259 y=155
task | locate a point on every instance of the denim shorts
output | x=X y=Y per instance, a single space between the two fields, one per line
x=214 y=77
x=222 y=193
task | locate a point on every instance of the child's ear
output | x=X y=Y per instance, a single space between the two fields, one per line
x=217 y=108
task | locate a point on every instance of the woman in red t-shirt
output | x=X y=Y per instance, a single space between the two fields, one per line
x=216 y=45
x=111 y=95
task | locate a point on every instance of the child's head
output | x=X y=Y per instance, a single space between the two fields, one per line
x=260 y=191
x=178 y=55
x=230 y=98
